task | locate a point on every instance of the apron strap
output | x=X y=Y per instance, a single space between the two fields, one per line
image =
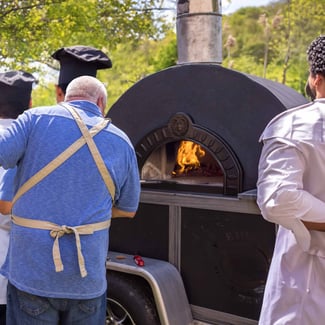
x=57 y=231
x=59 y=160
x=93 y=150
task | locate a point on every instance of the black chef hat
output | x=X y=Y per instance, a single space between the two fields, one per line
x=15 y=92
x=79 y=60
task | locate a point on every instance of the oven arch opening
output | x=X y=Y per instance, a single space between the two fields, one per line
x=219 y=170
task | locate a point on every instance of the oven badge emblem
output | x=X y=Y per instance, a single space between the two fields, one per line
x=179 y=124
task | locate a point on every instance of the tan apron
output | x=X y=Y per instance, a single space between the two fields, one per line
x=57 y=231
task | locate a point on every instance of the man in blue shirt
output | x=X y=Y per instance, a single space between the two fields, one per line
x=75 y=171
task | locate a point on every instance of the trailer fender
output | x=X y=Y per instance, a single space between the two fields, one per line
x=165 y=282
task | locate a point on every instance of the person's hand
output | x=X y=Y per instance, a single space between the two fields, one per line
x=5 y=207
x=319 y=226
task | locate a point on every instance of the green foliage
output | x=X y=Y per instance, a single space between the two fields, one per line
x=268 y=41
x=275 y=46
x=131 y=62
x=244 y=63
x=166 y=54
x=32 y=30
x=43 y=95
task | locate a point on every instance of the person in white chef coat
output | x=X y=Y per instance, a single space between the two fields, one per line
x=291 y=193
x=15 y=97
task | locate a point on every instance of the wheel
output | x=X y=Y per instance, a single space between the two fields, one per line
x=129 y=301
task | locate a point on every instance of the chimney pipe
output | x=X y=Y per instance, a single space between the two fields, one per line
x=199 y=31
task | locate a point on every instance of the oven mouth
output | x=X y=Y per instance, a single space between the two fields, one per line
x=186 y=157
x=182 y=162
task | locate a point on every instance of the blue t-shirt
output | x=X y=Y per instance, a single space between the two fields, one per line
x=73 y=194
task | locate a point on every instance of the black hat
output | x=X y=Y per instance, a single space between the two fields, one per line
x=79 y=60
x=15 y=92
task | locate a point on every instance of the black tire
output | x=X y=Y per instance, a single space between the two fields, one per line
x=129 y=301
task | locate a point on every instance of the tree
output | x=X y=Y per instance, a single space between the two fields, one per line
x=31 y=30
x=140 y=39
x=132 y=62
x=166 y=52
x=230 y=43
x=269 y=29
x=283 y=49
x=304 y=21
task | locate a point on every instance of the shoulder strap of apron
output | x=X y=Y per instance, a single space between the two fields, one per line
x=93 y=149
x=60 y=159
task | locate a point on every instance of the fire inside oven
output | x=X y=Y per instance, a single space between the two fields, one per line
x=184 y=162
x=184 y=156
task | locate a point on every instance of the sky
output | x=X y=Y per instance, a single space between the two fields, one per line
x=228 y=6
x=237 y=4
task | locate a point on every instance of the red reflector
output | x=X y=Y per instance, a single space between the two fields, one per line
x=138 y=260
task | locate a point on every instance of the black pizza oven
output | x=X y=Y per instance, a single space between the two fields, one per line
x=201 y=215
x=222 y=110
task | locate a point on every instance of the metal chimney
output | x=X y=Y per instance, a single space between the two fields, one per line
x=199 y=31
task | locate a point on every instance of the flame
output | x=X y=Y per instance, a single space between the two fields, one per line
x=188 y=155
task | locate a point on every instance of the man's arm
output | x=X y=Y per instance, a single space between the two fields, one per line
x=281 y=196
x=117 y=213
x=319 y=226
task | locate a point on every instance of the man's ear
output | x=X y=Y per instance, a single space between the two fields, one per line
x=101 y=104
x=59 y=94
x=30 y=103
x=319 y=79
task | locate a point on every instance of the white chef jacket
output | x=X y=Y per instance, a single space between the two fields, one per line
x=4 y=226
x=291 y=188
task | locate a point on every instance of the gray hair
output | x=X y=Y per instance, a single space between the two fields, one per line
x=86 y=88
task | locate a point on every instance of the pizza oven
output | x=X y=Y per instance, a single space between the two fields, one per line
x=195 y=128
